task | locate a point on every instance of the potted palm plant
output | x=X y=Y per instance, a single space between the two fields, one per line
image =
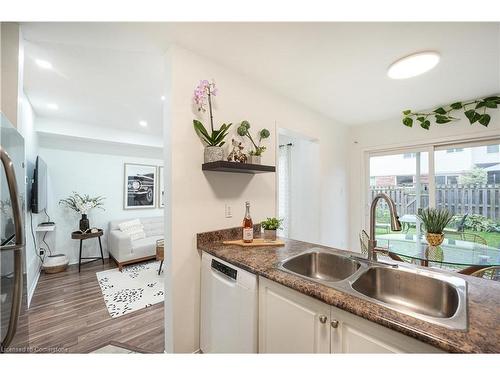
x=270 y=225
x=214 y=139
x=434 y=221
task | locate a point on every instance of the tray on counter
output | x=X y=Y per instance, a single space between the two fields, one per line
x=256 y=242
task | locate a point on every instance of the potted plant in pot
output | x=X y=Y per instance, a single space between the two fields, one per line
x=214 y=139
x=434 y=221
x=270 y=225
x=82 y=204
x=256 y=153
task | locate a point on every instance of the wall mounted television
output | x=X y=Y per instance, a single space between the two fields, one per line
x=39 y=187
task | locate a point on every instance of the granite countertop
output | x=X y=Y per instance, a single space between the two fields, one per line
x=482 y=336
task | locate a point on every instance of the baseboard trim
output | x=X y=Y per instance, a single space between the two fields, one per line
x=32 y=288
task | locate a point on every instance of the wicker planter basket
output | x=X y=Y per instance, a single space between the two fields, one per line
x=435 y=239
x=55 y=263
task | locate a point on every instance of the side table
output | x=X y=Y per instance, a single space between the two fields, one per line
x=160 y=246
x=84 y=236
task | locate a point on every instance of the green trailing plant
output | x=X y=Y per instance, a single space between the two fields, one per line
x=203 y=94
x=435 y=219
x=82 y=203
x=243 y=131
x=272 y=223
x=474 y=110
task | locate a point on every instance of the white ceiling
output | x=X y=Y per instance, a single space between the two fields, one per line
x=110 y=74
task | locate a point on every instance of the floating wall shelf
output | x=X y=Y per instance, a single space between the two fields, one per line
x=234 y=167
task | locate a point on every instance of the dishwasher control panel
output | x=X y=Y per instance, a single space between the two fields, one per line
x=222 y=268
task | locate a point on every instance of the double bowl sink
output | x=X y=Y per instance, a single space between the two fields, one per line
x=429 y=296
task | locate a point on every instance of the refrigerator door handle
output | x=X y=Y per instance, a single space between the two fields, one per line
x=17 y=247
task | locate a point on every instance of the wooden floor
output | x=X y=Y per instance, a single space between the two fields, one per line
x=68 y=314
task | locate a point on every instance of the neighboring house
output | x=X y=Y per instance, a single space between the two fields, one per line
x=399 y=170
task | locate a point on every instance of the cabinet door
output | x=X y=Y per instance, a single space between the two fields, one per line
x=357 y=335
x=291 y=322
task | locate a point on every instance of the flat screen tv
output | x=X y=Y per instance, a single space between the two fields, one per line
x=39 y=187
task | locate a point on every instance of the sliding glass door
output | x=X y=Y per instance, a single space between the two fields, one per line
x=404 y=177
x=463 y=178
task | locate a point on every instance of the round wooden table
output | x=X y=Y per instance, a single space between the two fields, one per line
x=85 y=236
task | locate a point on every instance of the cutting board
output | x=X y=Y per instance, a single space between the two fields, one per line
x=256 y=242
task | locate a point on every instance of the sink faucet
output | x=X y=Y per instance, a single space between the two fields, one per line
x=395 y=224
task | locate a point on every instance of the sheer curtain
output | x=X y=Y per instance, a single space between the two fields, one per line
x=284 y=191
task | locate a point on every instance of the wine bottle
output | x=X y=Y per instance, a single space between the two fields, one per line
x=247 y=225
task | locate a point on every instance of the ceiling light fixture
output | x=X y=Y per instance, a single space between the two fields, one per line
x=162 y=98
x=43 y=64
x=413 y=65
x=53 y=106
x=143 y=123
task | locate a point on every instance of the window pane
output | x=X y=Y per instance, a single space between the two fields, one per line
x=396 y=175
x=471 y=192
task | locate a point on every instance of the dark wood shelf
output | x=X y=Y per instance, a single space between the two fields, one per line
x=234 y=167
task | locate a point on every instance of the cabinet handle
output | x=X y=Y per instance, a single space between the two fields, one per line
x=323 y=319
x=334 y=323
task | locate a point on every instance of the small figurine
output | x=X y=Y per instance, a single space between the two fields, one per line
x=237 y=154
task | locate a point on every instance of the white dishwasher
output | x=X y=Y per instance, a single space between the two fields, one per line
x=229 y=297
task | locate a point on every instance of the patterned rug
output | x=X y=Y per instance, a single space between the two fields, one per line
x=136 y=287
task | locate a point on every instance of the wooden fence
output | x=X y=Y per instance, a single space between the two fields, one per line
x=459 y=199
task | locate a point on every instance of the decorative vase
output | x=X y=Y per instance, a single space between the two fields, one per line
x=213 y=153
x=254 y=159
x=435 y=239
x=269 y=235
x=84 y=223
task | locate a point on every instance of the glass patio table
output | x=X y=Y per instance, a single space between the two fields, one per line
x=469 y=256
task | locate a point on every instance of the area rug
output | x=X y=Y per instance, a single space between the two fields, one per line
x=136 y=287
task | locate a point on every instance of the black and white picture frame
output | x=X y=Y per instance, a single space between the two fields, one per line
x=139 y=186
x=161 y=187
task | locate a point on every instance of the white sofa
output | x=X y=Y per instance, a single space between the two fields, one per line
x=125 y=251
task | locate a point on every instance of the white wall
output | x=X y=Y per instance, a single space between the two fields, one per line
x=94 y=168
x=198 y=198
x=9 y=70
x=26 y=126
x=392 y=134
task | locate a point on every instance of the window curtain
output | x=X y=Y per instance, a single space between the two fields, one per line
x=284 y=192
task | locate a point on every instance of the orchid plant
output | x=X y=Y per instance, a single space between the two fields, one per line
x=82 y=203
x=263 y=134
x=202 y=98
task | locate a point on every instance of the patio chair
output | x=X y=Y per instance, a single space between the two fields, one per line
x=490 y=273
x=460 y=227
x=471 y=237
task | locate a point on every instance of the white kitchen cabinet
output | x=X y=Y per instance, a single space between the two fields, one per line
x=353 y=334
x=291 y=322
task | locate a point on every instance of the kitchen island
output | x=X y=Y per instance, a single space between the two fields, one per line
x=483 y=296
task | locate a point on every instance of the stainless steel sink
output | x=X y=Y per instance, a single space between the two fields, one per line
x=319 y=264
x=411 y=292
x=434 y=297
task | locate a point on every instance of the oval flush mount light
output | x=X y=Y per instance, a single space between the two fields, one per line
x=413 y=65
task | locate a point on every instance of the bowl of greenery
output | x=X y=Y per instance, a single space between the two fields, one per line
x=270 y=225
x=434 y=221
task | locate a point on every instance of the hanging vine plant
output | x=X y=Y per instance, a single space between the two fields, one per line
x=474 y=110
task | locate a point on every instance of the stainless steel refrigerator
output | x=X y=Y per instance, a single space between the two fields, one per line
x=13 y=296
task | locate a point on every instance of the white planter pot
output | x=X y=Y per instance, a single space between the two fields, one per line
x=213 y=153
x=254 y=159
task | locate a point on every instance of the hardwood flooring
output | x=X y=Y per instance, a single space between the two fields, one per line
x=68 y=314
